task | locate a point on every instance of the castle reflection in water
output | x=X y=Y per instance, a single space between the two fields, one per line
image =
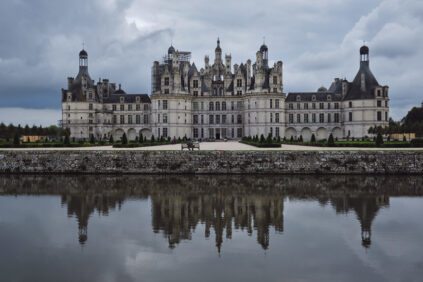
x=253 y=204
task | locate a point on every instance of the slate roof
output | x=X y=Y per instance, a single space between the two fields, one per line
x=129 y=98
x=354 y=88
x=308 y=96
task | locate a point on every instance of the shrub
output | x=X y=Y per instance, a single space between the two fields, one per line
x=292 y=139
x=331 y=142
x=141 y=139
x=417 y=143
x=92 y=139
x=16 y=140
x=404 y=139
x=379 y=140
x=66 y=141
x=262 y=140
x=313 y=138
x=300 y=139
x=152 y=138
x=111 y=139
x=124 y=139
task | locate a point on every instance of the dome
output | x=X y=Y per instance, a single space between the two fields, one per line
x=83 y=53
x=364 y=50
x=171 y=50
x=263 y=48
x=322 y=89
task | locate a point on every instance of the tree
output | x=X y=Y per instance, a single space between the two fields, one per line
x=16 y=140
x=262 y=140
x=124 y=139
x=292 y=139
x=379 y=140
x=269 y=139
x=331 y=142
x=152 y=138
x=141 y=138
x=111 y=139
x=313 y=138
x=404 y=139
x=300 y=139
x=92 y=139
x=66 y=142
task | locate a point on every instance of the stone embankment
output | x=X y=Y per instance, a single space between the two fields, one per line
x=212 y=162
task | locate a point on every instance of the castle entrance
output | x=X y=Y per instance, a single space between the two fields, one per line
x=217 y=133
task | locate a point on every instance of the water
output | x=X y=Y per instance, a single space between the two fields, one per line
x=211 y=228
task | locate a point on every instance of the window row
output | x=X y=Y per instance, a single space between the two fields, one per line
x=313 y=118
x=306 y=106
x=130 y=119
x=129 y=107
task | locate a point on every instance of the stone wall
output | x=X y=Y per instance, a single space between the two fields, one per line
x=212 y=162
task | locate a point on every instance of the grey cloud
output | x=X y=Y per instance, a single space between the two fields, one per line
x=317 y=40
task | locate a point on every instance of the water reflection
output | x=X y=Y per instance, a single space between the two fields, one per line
x=220 y=203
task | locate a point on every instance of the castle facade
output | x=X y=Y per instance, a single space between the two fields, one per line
x=223 y=101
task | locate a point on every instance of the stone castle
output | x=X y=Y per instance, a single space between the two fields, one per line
x=223 y=101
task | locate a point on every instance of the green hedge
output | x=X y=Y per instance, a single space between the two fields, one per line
x=144 y=144
x=50 y=145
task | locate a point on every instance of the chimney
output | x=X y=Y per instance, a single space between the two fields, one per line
x=70 y=81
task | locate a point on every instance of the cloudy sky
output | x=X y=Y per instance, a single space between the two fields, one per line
x=316 y=40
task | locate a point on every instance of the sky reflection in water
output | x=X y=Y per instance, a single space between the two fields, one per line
x=209 y=228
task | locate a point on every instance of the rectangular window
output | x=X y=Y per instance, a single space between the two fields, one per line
x=239 y=93
x=379 y=116
x=90 y=107
x=329 y=106
x=223 y=119
x=211 y=106
x=210 y=119
x=217 y=106
x=195 y=132
x=386 y=116
x=195 y=83
x=195 y=106
x=379 y=104
x=298 y=106
x=239 y=132
x=233 y=132
x=129 y=119
x=313 y=118
x=239 y=119
x=277 y=104
x=275 y=80
x=350 y=104
x=158 y=118
x=321 y=106
x=271 y=103
x=239 y=83
x=166 y=81
x=145 y=119
x=350 y=116
x=277 y=117
x=202 y=132
x=277 y=132
x=291 y=106
x=291 y=118
x=138 y=119
x=114 y=119
x=122 y=119
x=217 y=119
x=313 y=106
x=336 y=105
x=138 y=107
x=233 y=119
x=165 y=132
x=129 y=107
x=298 y=118
x=202 y=119
x=239 y=105
x=195 y=119
x=321 y=118
x=122 y=107
x=114 y=107
x=305 y=106
x=336 y=117
x=166 y=91
x=305 y=118
x=164 y=118
x=223 y=106
x=145 y=107
x=271 y=117
x=164 y=104
x=232 y=105
x=329 y=118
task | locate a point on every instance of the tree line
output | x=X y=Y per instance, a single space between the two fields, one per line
x=10 y=131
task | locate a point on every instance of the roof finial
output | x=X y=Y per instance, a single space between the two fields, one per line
x=264 y=39
x=83 y=45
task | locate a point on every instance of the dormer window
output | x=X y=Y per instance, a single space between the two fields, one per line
x=298 y=98
x=329 y=98
x=137 y=99
x=122 y=100
x=166 y=81
x=313 y=98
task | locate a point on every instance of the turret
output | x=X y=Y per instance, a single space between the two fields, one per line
x=364 y=55
x=228 y=59
x=218 y=53
x=264 y=51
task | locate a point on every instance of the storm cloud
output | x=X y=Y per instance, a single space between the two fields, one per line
x=316 y=40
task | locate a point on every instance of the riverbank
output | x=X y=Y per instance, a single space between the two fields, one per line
x=210 y=162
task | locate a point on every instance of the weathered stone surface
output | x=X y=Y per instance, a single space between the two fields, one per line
x=210 y=162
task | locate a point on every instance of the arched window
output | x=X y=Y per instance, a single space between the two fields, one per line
x=223 y=106
x=217 y=106
x=215 y=92
x=220 y=91
x=211 y=106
